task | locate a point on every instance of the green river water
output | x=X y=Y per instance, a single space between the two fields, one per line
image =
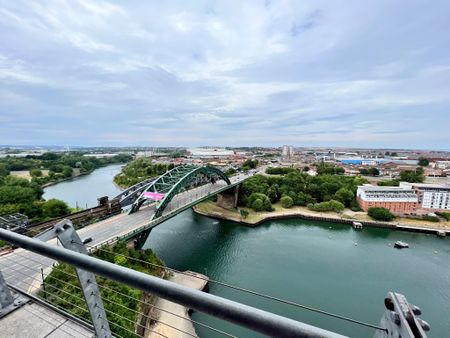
x=323 y=265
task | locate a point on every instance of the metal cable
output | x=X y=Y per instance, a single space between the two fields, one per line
x=85 y=310
x=238 y=288
x=122 y=294
x=83 y=300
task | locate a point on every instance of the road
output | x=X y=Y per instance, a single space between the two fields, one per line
x=22 y=268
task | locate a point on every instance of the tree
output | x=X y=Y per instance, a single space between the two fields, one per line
x=332 y=205
x=380 y=214
x=35 y=172
x=252 y=164
x=54 y=208
x=286 y=202
x=423 y=162
x=344 y=196
x=305 y=168
x=265 y=202
x=411 y=176
x=244 y=213
x=258 y=205
x=67 y=172
x=3 y=170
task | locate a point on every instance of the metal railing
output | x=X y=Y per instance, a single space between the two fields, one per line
x=252 y=318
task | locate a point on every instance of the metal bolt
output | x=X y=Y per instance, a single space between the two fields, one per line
x=416 y=310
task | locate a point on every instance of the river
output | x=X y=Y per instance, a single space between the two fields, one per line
x=323 y=265
x=84 y=190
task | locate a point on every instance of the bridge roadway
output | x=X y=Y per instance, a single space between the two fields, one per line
x=22 y=268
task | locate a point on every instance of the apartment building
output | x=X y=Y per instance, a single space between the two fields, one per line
x=431 y=197
x=398 y=200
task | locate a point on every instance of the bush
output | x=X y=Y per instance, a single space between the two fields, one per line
x=389 y=183
x=286 y=202
x=55 y=208
x=380 y=214
x=244 y=213
x=430 y=218
x=257 y=205
x=35 y=172
x=332 y=205
x=445 y=215
x=266 y=205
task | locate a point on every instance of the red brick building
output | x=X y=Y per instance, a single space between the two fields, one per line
x=399 y=201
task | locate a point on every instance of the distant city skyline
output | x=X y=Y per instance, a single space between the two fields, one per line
x=353 y=74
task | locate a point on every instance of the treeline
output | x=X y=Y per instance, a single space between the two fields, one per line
x=139 y=170
x=20 y=195
x=260 y=192
x=122 y=303
x=59 y=165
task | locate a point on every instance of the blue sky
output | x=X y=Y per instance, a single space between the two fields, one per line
x=307 y=73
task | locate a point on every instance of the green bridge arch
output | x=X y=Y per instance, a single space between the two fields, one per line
x=175 y=180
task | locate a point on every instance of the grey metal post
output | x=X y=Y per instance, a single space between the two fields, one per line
x=401 y=319
x=8 y=301
x=255 y=319
x=69 y=239
x=6 y=297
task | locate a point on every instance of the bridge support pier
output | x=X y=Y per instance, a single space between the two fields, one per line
x=140 y=240
x=229 y=198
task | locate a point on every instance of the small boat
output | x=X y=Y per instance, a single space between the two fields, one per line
x=401 y=245
x=441 y=233
x=357 y=225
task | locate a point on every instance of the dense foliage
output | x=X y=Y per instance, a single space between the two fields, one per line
x=391 y=183
x=430 y=218
x=370 y=171
x=20 y=195
x=139 y=170
x=423 y=161
x=279 y=170
x=62 y=288
x=332 y=205
x=380 y=214
x=329 y=169
x=249 y=164
x=59 y=165
x=286 y=201
x=412 y=176
x=445 y=215
x=302 y=188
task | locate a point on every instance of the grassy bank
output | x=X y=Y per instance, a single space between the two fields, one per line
x=211 y=209
x=121 y=302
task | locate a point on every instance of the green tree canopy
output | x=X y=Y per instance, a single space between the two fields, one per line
x=286 y=202
x=54 y=208
x=380 y=214
x=423 y=161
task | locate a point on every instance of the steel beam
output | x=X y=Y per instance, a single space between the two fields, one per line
x=70 y=240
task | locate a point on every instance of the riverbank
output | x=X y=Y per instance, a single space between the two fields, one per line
x=75 y=175
x=211 y=209
x=172 y=315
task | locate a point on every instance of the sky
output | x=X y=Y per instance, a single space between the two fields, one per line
x=225 y=73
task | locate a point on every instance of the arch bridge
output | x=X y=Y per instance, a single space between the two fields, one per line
x=181 y=178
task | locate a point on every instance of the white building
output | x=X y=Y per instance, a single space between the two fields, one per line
x=288 y=151
x=210 y=152
x=431 y=196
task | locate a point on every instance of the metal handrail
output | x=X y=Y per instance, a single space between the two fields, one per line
x=252 y=318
